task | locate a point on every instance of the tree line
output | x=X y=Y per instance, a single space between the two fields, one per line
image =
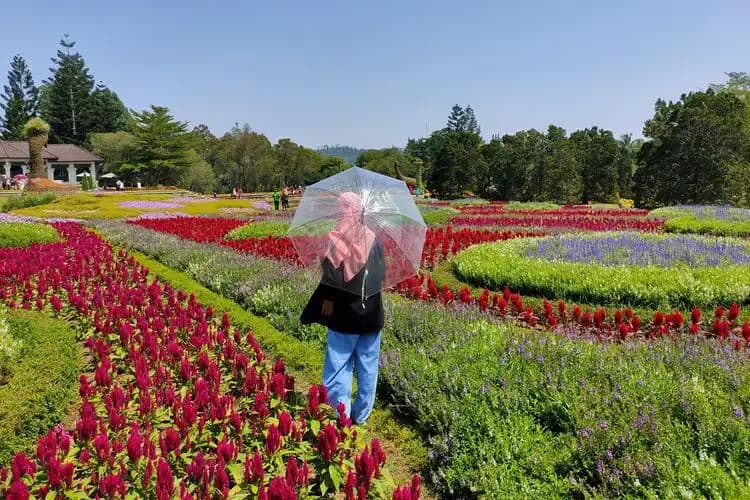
x=695 y=150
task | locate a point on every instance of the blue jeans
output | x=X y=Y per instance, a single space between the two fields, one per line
x=362 y=352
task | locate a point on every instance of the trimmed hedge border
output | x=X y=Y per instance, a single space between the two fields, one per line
x=498 y=264
x=23 y=234
x=43 y=382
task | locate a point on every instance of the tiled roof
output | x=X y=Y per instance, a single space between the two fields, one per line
x=68 y=153
x=63 y=153
x=19 y=150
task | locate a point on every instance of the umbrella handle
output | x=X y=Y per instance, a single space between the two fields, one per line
x=364 y=280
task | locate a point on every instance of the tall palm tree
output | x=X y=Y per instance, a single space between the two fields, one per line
x=36 y=131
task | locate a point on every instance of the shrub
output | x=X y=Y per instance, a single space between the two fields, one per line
x=513 y=413
x=705 y=219
x=21 y=234
x=259 y=230
x=514 y=263
x=42 y=383
x=437 y=216
x=531 y=205
x=27 y=200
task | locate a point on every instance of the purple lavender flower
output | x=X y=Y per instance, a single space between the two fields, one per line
x=603 y=425
x=586 y=432
x=738 y=412
x=640 y=421
x=637 y=249
x=147 y=204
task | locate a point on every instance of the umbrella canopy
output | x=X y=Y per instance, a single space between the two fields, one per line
x=110 y=175
x=352 y=216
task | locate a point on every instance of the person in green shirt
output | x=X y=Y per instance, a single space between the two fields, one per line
x=276 y=198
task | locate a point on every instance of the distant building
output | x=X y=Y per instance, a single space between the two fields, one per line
x=63 y=161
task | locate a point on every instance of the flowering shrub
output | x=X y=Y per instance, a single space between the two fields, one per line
x=634 y=249
x=179 y=403
x=705 y=219
x=508 y=410
x=562 y=220
x=496 y=265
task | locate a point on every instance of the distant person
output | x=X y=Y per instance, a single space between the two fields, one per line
x=234 y=193
x=285 y=198
x=276 y=196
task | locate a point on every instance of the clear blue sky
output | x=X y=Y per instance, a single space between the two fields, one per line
x=371 y=73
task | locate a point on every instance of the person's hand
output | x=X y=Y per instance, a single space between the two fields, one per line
x=327 y=309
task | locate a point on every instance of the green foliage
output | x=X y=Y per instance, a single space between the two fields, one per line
x=161 y=147
x=382 y=161
x=438 y=216
x=456 y=164
x=197 y=175
x=10 y=347
x=73 y=105
x=692 y=143
x=346 y=153
x=531 y=205
x=23 y=234
x=43 y=381
x=496 y=265
x=21 y=100
x=710 y=220
x=35 y=126
x=597 y=153
x=27 y=200
x=247 y=161
x=259 y=230
x=115 y=148
x=463 y=120
x=532 y=166
x=296 y=163
x=512 y=413
x=87 y=183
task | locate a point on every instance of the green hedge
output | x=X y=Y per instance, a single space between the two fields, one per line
x=43 y=380
x=496 y=265
x=259 y=230
x=707 y=219
x=513 y=413
x=22 y=234
x=437 y=216
x=715 y=227
x=531 y=205
x=27 y=200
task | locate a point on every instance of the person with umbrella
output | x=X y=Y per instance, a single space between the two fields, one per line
x=375 y=243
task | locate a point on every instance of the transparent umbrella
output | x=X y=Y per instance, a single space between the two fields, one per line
x=365 y=225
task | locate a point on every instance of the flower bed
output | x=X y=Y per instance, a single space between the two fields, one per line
x=22 y=234
x=513 y=413
x=42 y=381
x=258 y=230
x=459 y=401
x=705 y=219
x=499 y=264
x=180 y=403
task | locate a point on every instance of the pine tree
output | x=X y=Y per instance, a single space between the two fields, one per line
x=470 y=121
x=67 y=100
x=456 y=118
x=21 y=98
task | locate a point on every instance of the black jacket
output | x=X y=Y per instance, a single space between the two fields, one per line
x=349 y=315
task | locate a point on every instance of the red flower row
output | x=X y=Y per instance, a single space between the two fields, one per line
x=180 y=403
x=621 y=325
x=561 y=221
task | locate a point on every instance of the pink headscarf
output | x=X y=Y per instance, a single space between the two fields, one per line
x=352 y=240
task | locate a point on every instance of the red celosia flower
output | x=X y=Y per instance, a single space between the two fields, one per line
x=21 y=466
x=164 y=481
x=273 y=439
x=327 y=441
x=285 y=423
